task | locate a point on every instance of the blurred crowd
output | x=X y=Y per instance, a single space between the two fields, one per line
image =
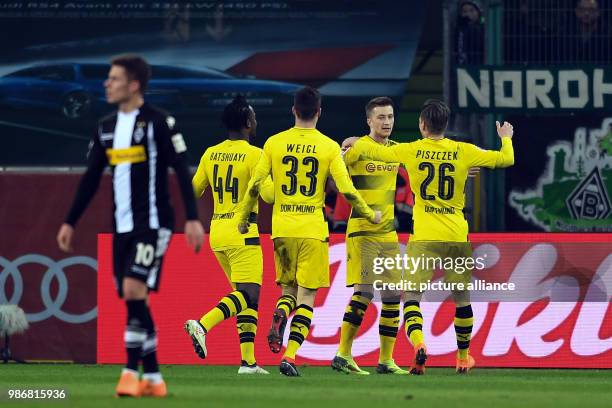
x=538 y=31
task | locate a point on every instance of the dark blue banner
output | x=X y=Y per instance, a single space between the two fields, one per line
x=203 y=54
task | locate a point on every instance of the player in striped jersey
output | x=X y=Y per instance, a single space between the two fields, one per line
x=138 y=142
x=227 y=167
x=376 y=182
x=300 y=159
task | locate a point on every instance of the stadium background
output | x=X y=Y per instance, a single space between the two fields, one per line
x=352 y=51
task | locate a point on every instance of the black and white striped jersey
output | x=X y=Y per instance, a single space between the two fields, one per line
x=139 y=146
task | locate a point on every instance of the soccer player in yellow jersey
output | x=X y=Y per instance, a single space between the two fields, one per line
x=376 y=182
x=438 y=169
x=227 y=167
x=300 y=159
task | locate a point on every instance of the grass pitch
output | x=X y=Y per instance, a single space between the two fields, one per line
x=319 y=387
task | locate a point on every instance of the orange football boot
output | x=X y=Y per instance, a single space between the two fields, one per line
x=420 y=357
x=465 y=365
x=148 y=389
x=128 y=385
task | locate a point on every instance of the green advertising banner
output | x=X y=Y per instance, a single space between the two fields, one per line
x=562 y=181
x=533 y=89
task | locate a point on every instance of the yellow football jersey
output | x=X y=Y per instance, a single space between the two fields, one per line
x=300 y=159
x=228 y=167
x=375 y=181
x=438 y=171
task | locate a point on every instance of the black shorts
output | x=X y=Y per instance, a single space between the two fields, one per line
x=139 y=255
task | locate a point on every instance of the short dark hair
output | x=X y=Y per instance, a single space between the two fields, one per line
x=378 y=102
x=307 y=102
x=435 y=114
x=236 y=114
x=136 y=68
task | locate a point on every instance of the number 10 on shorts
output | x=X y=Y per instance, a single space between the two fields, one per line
x=144 y=254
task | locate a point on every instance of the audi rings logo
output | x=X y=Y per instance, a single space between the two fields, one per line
x=55 y=270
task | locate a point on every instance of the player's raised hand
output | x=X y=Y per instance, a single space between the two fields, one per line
x=64 y=237
x=349 y=142
x=377 y=217
x=505 y=130
x=473 y=172
x=194 y=234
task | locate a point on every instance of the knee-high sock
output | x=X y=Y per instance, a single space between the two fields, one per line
x=300 y=326
x=286 y=303
x=353 y=316
x=464 y=320
x=230 y=305
x=387 y=329
x=246 y=323
x=149 y=347
x=135 y=332
x=414 y=322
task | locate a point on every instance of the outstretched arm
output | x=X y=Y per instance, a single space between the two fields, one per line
x=505 y=132
x=493 y=158
x=345 y=186
x=262 y=171
x=376 y=151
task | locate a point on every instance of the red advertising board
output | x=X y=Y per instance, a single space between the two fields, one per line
x=57 y=291
x=575 y=331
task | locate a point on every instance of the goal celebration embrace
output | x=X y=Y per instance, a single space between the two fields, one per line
x=291 y=173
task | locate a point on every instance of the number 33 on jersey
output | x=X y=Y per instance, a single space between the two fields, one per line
x=300 y=159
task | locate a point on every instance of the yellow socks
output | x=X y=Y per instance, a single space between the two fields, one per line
x=353 y=316
x=230 y=305
x=464 y=320
x=300 y=326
